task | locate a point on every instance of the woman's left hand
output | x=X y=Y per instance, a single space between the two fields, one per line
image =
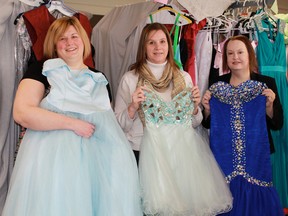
x=195 y=98
x=270 y=97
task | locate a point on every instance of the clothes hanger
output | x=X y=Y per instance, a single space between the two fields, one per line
x=212 y=23
x=59 y=5
x=166 y=14
x=269 y=23
x=34 y=3
x=226 y=24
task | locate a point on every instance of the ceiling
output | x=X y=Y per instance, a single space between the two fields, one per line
x=100 y=7
x=283 y=6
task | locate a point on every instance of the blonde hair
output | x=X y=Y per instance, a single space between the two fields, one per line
x=57 y=29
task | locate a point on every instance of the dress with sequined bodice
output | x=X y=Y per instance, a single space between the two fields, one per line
x=239 y=141
x=178 y=172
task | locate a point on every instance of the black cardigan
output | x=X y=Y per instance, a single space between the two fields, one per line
x=274 y=123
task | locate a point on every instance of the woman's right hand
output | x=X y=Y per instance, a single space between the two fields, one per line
x=205 y=102
x=137 y=97
x=28 y=113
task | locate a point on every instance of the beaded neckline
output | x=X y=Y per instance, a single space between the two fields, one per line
x=244 y=92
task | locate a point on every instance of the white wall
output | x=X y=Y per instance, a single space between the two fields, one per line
x=98 y=7
x=102 y=7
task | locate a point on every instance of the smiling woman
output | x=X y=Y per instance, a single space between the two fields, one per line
x=157 y=47
x=74 y=158
x=70 y=41
x=70 y=47
x=157 y=107
x=241 y=108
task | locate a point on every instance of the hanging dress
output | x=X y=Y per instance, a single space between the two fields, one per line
x=271 y=55
x=189 y=34
x=240 y=143
x=60 y=173
x=178 y=172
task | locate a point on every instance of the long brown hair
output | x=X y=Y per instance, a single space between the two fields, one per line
x=251 y=53
x=141 y=52
x=57 y=29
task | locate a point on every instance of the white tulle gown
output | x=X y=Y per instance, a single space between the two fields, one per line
x=178 y=172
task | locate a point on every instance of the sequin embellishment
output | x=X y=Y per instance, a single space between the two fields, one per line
x=178 y=111
x=236 y=96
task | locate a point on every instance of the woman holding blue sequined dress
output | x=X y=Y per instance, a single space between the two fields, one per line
x=240 y=108
x=157 y=107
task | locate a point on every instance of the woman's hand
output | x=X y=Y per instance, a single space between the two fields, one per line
x=270 y=97
x=205 y=103
x=137 y=98
x=28 y=113
x=83 y=128
x=195 y=98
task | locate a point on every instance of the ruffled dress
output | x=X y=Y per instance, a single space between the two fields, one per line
x=240 y=143
x=58 y=173
x=178 y=172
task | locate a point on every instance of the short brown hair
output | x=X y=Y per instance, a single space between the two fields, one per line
x=251 y=53
x=57 y=29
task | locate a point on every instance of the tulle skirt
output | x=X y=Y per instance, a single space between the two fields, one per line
x=179 y=174
x=58 y=173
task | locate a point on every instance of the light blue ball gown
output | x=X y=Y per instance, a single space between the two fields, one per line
x=58 y=173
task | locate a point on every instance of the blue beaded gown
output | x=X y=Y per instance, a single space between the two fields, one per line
x=239 y=141
x=58 y=173
x=178 y=172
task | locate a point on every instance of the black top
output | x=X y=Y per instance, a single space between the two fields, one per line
x=35 y=72
x=274 y=123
